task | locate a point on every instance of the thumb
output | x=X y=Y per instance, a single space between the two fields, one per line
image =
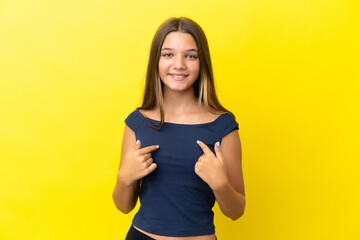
x=218 y=152
x=138 y=144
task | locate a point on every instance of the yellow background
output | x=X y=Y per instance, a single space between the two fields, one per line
x=71 y=71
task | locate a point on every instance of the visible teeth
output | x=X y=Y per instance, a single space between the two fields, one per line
x=178 y=76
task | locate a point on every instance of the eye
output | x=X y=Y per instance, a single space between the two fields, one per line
x=192 y=56
x=167 y=54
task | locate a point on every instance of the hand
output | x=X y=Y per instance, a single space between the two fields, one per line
x=211 y=168
x=137 y=163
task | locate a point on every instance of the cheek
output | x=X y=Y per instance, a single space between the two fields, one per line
x=195 y=66
x=164 y=64
x=161 y=68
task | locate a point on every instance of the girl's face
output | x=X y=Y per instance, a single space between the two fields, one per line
x=179 y=65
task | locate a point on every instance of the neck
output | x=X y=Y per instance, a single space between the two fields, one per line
x=180 y=102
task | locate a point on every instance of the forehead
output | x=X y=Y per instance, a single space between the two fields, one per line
x=179 y=41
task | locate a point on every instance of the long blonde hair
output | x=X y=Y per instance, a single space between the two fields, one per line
x=204 y=86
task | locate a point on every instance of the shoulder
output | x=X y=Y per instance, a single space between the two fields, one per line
x=150 y=113
x=134 y=119
x=209 y=115
x=226 y=123
x=132 y=115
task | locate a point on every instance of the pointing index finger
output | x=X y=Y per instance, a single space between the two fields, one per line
x=148 y=149
x=203 y=146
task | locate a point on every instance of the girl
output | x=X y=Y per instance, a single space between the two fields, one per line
x=171 y=156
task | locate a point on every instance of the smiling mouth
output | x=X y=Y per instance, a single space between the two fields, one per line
x=178 y=76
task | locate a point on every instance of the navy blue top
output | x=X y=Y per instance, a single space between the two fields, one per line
x=175 y=201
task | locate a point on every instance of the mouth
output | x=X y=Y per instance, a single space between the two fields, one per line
x=178 y=76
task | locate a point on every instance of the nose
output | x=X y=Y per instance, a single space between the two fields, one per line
x=179 y=62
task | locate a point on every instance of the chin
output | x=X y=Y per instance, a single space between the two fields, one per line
x=178 y=88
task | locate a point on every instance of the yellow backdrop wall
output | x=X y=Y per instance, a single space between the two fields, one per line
x=71 y=71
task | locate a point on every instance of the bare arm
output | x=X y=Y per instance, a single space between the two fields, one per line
x=230 y=195
x=125 y=194
x=135 y=163
x=223 y=173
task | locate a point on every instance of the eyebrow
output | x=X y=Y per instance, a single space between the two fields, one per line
x=188 y=50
